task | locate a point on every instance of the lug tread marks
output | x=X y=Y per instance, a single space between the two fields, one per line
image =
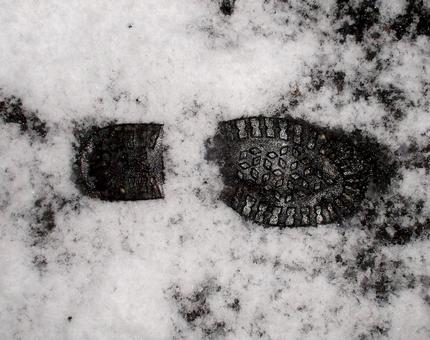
x=121 y=162
x=287 y=172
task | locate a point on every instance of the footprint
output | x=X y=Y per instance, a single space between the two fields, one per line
x=121 y=162
x=287 y=172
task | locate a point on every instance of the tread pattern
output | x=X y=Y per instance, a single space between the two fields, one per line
x=287 y=172
x=122 y=162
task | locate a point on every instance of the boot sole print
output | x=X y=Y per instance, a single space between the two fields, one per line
x=122 y=162
x=287 y=172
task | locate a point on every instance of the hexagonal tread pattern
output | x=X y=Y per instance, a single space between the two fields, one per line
x=288 y=172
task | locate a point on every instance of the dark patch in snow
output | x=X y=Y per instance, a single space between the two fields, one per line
x=366 y=259
x=335 y=79
x=356 y=18
x=235 y=305
x=377 y=276
x=395 y=219
x=414 y=156
x=227 y=7
x=376 y=332
x=393 y=100
x=215 y=330
x=416 y=20
x=195 y=306
x=44 y=219
x=402 y=234
x=195 y=309
x=13 y=112
x=44 y=215
x=362 y=18
x=40 y=262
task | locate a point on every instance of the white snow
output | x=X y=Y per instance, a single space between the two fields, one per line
x=109 y=270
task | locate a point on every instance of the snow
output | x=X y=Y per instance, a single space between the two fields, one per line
x=390 y=9
x=133 y=270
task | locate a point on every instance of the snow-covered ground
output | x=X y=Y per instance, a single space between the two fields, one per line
x=187 y=266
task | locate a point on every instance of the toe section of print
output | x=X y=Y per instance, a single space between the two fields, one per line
x=121 y=162
x=287 y=172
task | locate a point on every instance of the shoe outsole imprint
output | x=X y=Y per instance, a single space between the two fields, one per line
x=287 y=172
x=121 y=162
